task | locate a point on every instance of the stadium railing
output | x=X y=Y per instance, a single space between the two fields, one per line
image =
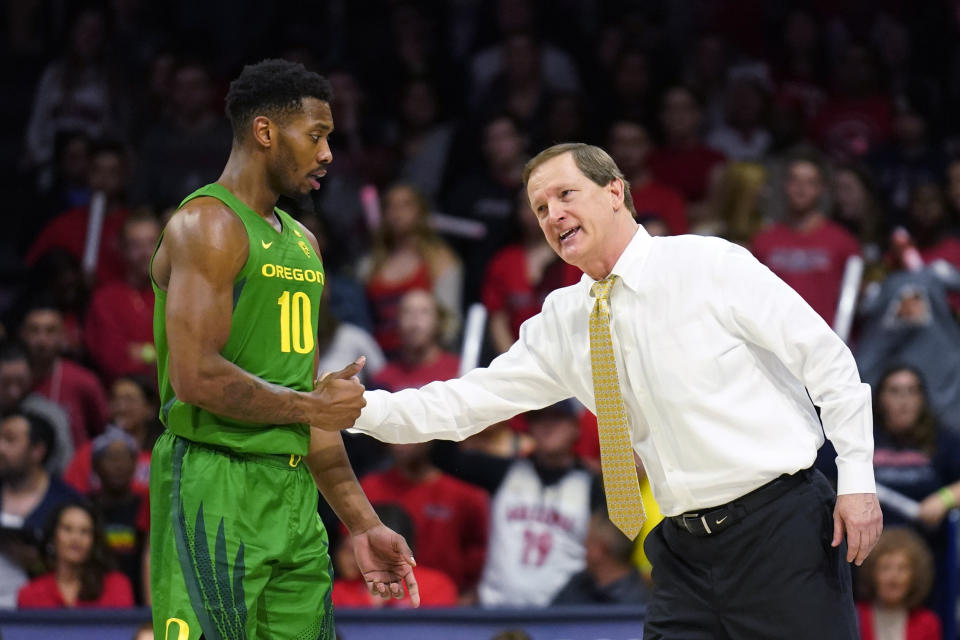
x=557 y=623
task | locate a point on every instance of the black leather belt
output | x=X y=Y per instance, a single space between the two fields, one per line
x=715 y=519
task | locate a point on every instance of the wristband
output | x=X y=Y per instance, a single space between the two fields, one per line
x=946 y=496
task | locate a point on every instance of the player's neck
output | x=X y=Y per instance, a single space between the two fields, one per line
x=246 y=179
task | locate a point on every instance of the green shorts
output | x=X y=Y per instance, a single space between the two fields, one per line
x=237 y=548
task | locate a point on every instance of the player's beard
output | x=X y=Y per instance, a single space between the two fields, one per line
x=284 y=173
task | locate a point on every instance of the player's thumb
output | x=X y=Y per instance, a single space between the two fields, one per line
x=351 y=369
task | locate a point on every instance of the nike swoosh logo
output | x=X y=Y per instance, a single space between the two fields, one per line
x=266 y=245
x=720 y=521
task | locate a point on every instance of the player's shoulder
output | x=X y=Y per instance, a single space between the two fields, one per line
x=204 y=220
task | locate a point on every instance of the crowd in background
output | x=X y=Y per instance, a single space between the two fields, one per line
x=809 y=132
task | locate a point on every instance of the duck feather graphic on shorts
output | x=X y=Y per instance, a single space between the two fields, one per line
x=223 y=600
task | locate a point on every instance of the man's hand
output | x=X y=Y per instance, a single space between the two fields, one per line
x=859 y=514
x=386 y=561
x=338 y=398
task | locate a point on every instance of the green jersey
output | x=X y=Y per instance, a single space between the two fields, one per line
x=272 y=332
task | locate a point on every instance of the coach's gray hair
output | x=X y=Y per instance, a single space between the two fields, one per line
x=592 y=161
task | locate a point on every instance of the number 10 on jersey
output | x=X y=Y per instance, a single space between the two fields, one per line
x=295 y=321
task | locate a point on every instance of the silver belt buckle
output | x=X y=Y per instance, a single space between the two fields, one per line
x=686 y=517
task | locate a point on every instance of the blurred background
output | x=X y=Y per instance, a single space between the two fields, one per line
x=818 y=134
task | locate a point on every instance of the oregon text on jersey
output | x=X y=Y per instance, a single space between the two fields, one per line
x=288 y=273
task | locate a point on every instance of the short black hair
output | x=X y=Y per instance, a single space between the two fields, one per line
x=12 y=352
x=39 y=429
x=272 y=87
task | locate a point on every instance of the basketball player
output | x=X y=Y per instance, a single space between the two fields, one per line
x=237 y=548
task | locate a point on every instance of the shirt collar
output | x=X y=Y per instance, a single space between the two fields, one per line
x=630 y=261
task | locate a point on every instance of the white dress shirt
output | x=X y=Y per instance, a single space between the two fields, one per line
x=715 y=356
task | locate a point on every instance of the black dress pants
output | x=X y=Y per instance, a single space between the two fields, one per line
x=772 y=574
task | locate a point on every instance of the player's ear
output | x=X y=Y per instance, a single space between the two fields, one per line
x=262 y=130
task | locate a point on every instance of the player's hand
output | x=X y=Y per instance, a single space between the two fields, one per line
x=338 y=398
x=857 y=514
x=386 y=563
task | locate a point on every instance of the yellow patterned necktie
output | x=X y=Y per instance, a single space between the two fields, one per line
x=616 y=449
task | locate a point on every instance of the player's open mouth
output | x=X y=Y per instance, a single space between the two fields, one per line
x=314 y=178
x=569 y=233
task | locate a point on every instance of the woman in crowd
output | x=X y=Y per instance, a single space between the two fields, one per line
x=912 y=455
x=407 y=255
x=896 y=579
x=134 y=406
x=81 y=572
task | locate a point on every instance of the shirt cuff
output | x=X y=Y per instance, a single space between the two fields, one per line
x=373 y=414
x=855 y=477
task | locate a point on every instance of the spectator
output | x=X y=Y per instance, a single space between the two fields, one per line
x=517 y=18
x=906 y=318
x=28 y=493
x=910 y=159
x=186 y=150
x=743 y=135
x=631 y=87
x=340 y=343
x=134 y=407
x=119 y=323
x=566 y=118
x=450 y=517
x=119 y=503
x=350 y=589
x=80 y=563
x=521 y=89
x=74 y=93
x=421 y=358
x=425 y=138
x=540 y=510
x=75 y=388
x=930 y=225
x=684 y=162
x=808 y=251
x=407 y=255
x=59 y=277
x=896 y=579
x=707 y=74
x=342 y=292
x=800 y=65
x=858 y=208
x=913 y=454
x=487 y=196
x=609 y=578
x=630 y=146
x=68 y=186
x=857 y=117
x=108 y=169
x=16 y=381
x=519 y=278
x=916 y=457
